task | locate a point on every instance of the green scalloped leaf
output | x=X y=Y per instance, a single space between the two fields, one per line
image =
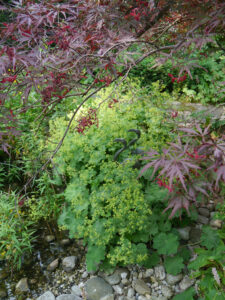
x=95 y=255
x=152 y=260
x=166 y=243
x=186 y=295
x=209 y=238
x=173 y=265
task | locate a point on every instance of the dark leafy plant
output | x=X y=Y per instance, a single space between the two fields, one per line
x=191 y=168
x=209 y=265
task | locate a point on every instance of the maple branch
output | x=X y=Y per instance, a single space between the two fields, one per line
x=161 y=13
x=126 y=71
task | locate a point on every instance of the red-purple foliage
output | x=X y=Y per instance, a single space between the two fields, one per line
x=53 y=45
x=194 y=165
x=87 y=121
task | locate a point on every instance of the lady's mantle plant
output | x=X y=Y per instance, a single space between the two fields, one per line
x=190 y=169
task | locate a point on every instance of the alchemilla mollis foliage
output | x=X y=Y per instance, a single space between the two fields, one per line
x=106 y=205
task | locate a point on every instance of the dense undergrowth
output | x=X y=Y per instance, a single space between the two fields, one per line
x=101 y=200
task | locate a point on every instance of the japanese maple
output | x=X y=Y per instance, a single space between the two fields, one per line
x=194 y=165
x=63 y=48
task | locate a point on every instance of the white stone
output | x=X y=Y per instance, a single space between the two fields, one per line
x=113 y=279
x=186 y=282
x=108 y=297
x=130 y=292
x=118 y=289
x=166 y=291
x=68 y=297
x=47 y=296
x=141 y=287
x=22 y=286
x=216 y=223
x=148 y=273
x=172 y=279
x=76 y=290
x=125 y=281
x=160 y=272
x=69 y=263
x=84 y=275
x=142 y=297
x=123 y=275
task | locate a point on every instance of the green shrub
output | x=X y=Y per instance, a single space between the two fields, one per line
x=45 y=203
x=205 y=86
x=209 y=266
x=16 y=234
x=105 y=205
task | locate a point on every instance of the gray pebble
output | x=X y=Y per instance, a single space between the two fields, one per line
x=118 y=289
x=185 y=283
x=141 y=287
x=96 y=288
x=216 y=223
x=68 y=297
x=203 y=220
x=76 y=290
x=166 y=291
x=173 y=279
x=160 y=272
x=204 y=211
x=69 y=263
x=184 y=233
x=47 y=296
x=108 y=297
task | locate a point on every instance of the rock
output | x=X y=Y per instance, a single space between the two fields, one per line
x=160 y=272
x=130 y=293
x=141 y=287
x=22 y=286
x=216 y=223
x=84 y=275
x=142 y=298
x=122 y=272
x=184 y=233
x=148 y=273
x=203 y=220
x=212 y=214
x=125 y=281
x=49 y=238
x=124 y=275
x=69 y=263
x=118 y=289
x=76 y=290
x=185 y=283
x=113 y=279
x=53 y=265
x=3 y=293
x=211 y=206
x=65 y=242
x=108 y=297
x=195 y=235
x=96 y=288
x=172 y=279
x=158 y=298
x=166 y=291
x=47 y=296
x=204 y=211
x=68 y=297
